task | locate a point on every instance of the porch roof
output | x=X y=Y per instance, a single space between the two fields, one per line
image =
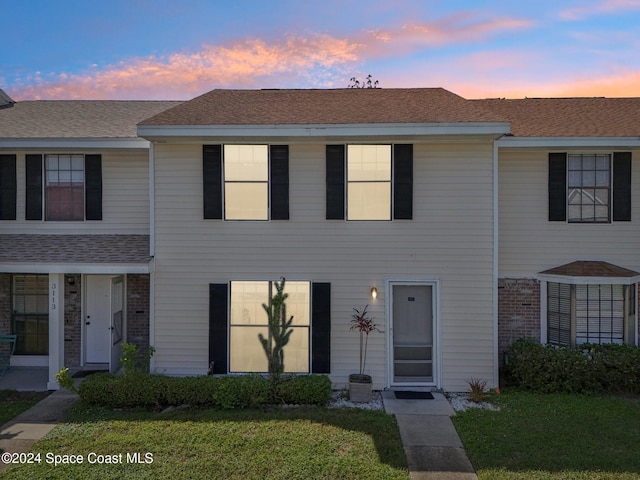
x=588 y=271
x=75 y=253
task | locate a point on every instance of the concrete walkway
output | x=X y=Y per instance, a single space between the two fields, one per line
x=19 y=434
x=432 y=446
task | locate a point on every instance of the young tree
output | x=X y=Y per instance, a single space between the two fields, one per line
x=367 y=83
x=279 y=331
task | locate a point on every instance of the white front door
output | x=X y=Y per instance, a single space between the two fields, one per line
x=412 y=335
x=97 y=320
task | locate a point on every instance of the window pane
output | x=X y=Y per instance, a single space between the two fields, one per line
x=246 y=303
x=246 y=201
x=369 y=201
x=246 y=163
x=298 y=302
x=296 y=352
x=245 y=350
x=368 y=162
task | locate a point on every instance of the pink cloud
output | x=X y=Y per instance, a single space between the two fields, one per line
x=315 y=60
x=602 y=7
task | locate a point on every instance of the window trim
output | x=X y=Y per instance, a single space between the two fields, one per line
x=389 y=182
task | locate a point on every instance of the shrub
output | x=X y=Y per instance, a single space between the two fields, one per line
x=228 y=392
x=133 y=361
x=63 y=377
x=242 y=391
x=304 y=390
x=580 y=369
x=477 y=389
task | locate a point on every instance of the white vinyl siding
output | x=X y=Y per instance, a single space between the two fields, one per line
x=125 y=198
x=449 y=238
x=529 y=243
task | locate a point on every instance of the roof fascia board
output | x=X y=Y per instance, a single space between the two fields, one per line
x=85 y=143
x=86 y=268
x=568 y=142
x=320 y=130
x=580 y=280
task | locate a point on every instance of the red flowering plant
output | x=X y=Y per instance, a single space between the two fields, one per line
x=361 y=322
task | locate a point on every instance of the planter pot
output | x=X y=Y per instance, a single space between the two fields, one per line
x=360 y=388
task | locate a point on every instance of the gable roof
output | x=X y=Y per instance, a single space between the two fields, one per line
x=569 y=117
x=325 y=107
x=75 y=119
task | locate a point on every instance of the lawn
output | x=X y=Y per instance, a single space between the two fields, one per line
x=557 y=437
x=12 y=403
x=276 y=443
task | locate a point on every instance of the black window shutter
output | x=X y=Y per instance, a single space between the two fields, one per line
x=212 y=181
x=93 y=187
x=335 y=182
x=557 y=187
x=622 y=187
x=279 y=158
x=218 y=321
x=321 y=328
x=403 y=182
x=33 y=207
x=8 y=187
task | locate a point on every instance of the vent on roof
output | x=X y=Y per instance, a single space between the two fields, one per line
x=5 y=100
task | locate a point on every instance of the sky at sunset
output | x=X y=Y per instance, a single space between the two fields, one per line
x=176 y=50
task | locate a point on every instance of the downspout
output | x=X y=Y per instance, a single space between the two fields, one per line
x=152 y=250
x=496 y=360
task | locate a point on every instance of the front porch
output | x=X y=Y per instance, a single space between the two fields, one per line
x=25 y=379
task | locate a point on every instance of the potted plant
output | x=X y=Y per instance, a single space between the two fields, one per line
x=360 y=383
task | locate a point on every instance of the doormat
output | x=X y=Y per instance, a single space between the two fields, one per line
x=85 y=373
x=400 y=395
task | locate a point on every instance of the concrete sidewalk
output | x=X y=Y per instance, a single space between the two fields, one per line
x=19 y=434
x=432 y=446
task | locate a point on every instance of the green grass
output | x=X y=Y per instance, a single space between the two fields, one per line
x=296 y=443
x=556 y=436
x=12 y=403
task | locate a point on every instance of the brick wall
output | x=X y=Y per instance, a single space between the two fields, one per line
x=5 y=303
x=72 y=320
x=138 y=311
x=5 y=308
x=518 y=311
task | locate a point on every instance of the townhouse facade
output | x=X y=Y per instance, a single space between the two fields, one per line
x=462 y=225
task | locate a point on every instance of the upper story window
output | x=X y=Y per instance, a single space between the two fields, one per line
x=590 y=188
x=246 y=182
x=369 y=182
x=64 y=187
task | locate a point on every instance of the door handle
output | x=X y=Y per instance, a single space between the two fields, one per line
x=88 y=323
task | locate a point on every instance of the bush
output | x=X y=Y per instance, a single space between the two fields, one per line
x=228 y=392
x=134 y=390
x=581 y=369
x=305 y=390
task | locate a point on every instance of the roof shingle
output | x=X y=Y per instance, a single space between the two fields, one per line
x=325 y=107
x=569 y=117
x=77 y=118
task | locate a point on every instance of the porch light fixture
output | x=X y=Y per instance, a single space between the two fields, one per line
x=374 y=292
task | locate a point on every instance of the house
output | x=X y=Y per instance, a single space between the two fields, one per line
x=569 y=208
x=462 y=224
x=74 y=231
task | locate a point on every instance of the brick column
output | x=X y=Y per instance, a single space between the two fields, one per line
x=518 y=311
x=138 y=311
